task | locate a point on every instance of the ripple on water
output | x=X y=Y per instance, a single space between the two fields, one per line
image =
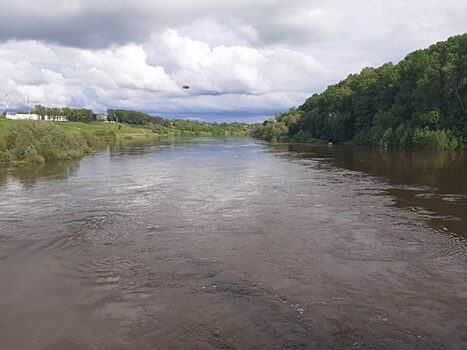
x=55 y=245
x=94 y=220
x=208 y=246
x=449 y=244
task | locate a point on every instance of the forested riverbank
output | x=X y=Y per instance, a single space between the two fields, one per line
x=420 y=102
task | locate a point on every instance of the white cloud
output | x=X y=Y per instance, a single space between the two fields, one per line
x=23 y=78
x=239 y=57
x=222 y=69
x=125 y=68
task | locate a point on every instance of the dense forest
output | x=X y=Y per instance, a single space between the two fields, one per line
x=420 y=102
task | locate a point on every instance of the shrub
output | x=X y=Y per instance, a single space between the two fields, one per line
x=28 y=143
x=438 y=139
x=304 y=137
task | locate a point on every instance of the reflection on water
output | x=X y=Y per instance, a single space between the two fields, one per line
x=431 y=183
x=443 y=170
x=54 y=171
x=235 y=244
x=3 y=176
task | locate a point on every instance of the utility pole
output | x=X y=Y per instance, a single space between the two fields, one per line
x=7 y=103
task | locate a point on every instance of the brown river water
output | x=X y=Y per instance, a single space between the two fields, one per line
x=235 y=244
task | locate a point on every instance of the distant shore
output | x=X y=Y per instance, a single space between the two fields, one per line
x=27 y=143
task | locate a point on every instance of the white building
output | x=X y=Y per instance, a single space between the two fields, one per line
x=102 y=117
x=19 y=116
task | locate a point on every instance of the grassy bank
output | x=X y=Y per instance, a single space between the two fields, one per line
x=24 y=143
x=101 y=130
x=5 y=124
x=27 y=143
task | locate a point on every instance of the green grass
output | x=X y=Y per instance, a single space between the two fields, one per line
x=120 y=130
x=5 y=124
x=77 y=128
x=126 y=131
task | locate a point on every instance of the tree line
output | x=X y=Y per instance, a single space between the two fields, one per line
x=162 y=125
x=155 y=123
x=132 y=117
x=71 y=114
x=419 y=102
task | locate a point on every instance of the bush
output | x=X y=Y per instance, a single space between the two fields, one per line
x=438 y=139
x=304 y=137
x=29 y=142
x=271 y=131
x=5 y=157
x=30 y=159
x=429 y=120
x=395 y=138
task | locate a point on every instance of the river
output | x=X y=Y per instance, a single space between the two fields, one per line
x=235 y=244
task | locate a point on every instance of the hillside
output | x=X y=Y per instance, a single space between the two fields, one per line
x=420 y=102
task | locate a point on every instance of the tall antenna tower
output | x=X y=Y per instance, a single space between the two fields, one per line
x=7 y=103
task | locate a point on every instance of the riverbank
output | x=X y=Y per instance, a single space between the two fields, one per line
x=25 y=143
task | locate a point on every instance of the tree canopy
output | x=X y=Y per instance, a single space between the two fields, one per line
x=130 y=117
x=71 y=114
x=420 y=102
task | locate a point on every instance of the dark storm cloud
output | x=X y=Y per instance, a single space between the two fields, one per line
x=99 y=24
x=85 y=27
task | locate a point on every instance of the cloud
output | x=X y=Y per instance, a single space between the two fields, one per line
x=222 y=69
x=98 y=24
x=242 y=59
x=219 y=76
x=23 y=78
x=124 y=68
x=60 y=76
x=236 y=69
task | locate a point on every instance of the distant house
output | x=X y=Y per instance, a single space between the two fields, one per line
x=23 y=116
x=102 y=118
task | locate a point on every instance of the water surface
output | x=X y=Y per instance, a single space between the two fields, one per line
x=236 y=244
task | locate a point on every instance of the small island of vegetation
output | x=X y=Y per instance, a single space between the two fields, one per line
x=421 y=102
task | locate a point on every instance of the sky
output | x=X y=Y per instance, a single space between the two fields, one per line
x=244 y=60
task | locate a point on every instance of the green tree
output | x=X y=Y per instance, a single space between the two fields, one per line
x=41 y=111
x=420 y=102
